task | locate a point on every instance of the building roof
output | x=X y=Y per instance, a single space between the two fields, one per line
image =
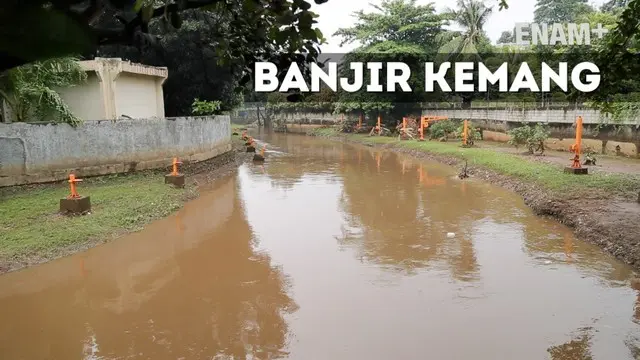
x=119 y=65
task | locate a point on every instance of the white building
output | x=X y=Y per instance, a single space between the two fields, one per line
x=116 y=89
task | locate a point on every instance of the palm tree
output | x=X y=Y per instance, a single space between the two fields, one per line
x=471 y=15
x=29 y=90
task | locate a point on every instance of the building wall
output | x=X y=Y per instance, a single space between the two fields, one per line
x=86 y=101
x=34 y=153
x=136 y=96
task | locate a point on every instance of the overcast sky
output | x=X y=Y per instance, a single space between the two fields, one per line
x=336 y=14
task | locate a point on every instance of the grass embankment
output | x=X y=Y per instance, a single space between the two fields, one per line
x=549 y=176
x=30 y=225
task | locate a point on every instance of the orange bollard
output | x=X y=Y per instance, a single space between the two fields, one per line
x=175 y=166
x=175 y=178
x=72 y=185
x=74 y=203
x=576 y=167
x=578 y=144
x=465 y=132
x=360 y=121
x=379 y=126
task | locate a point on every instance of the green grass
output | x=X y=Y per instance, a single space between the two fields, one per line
x=324 y=132
x=30 y=223
x=546 y=175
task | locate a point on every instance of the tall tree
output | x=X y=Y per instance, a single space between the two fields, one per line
x=400 y=30
x=471 y=15
x=506 y=37
x=560 y=11
x=397 y=24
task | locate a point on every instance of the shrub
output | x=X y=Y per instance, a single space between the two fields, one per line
x=442 y=129
x=204 y=107
x=531 y=137
x=474 y=132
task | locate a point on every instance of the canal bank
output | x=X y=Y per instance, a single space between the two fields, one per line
x=337 y=251
x=32 y=232
x=601 y=208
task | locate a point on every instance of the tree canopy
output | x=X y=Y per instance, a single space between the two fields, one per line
x=397 y=24
x=560 y=11
x=271 y=29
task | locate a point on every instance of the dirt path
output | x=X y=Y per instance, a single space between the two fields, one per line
x=605 y=163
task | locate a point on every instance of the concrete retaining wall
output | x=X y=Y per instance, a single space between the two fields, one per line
x=555 y=116
x=600 y=133
x=32 y=153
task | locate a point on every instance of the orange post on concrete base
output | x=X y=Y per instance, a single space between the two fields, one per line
x=379 y=125
x=576 y=167
x=175 y=178
x=360 y=121
x=465 y=132
x=74 y=203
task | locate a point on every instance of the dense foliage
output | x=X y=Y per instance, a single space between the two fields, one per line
x=30 y=90
x=532 y=138
x=404 y=29
x=204 y=107
x=252 y=30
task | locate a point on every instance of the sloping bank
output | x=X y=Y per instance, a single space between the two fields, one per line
x=601 y=208
x=31 y=231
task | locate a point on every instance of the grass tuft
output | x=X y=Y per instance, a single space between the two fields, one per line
x=30 y=223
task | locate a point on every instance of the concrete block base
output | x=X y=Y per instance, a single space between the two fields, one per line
x=175 y=180
x=75 y=206
x=576 y=171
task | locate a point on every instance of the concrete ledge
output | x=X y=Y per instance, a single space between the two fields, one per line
x=113 y=168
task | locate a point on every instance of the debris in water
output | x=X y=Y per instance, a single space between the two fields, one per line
x=547 y=262
x=463 y=173
x=451 y=235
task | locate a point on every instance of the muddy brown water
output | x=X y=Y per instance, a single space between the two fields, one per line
x=330 y=251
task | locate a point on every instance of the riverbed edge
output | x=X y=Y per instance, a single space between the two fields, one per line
x=198 y=173
x=592 y=219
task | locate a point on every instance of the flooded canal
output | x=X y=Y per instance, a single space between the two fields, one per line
x=331 y=251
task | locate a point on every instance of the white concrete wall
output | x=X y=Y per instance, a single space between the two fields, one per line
x=86 y=101
x=136 y=96
x=558 y=116
x=48 y=152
